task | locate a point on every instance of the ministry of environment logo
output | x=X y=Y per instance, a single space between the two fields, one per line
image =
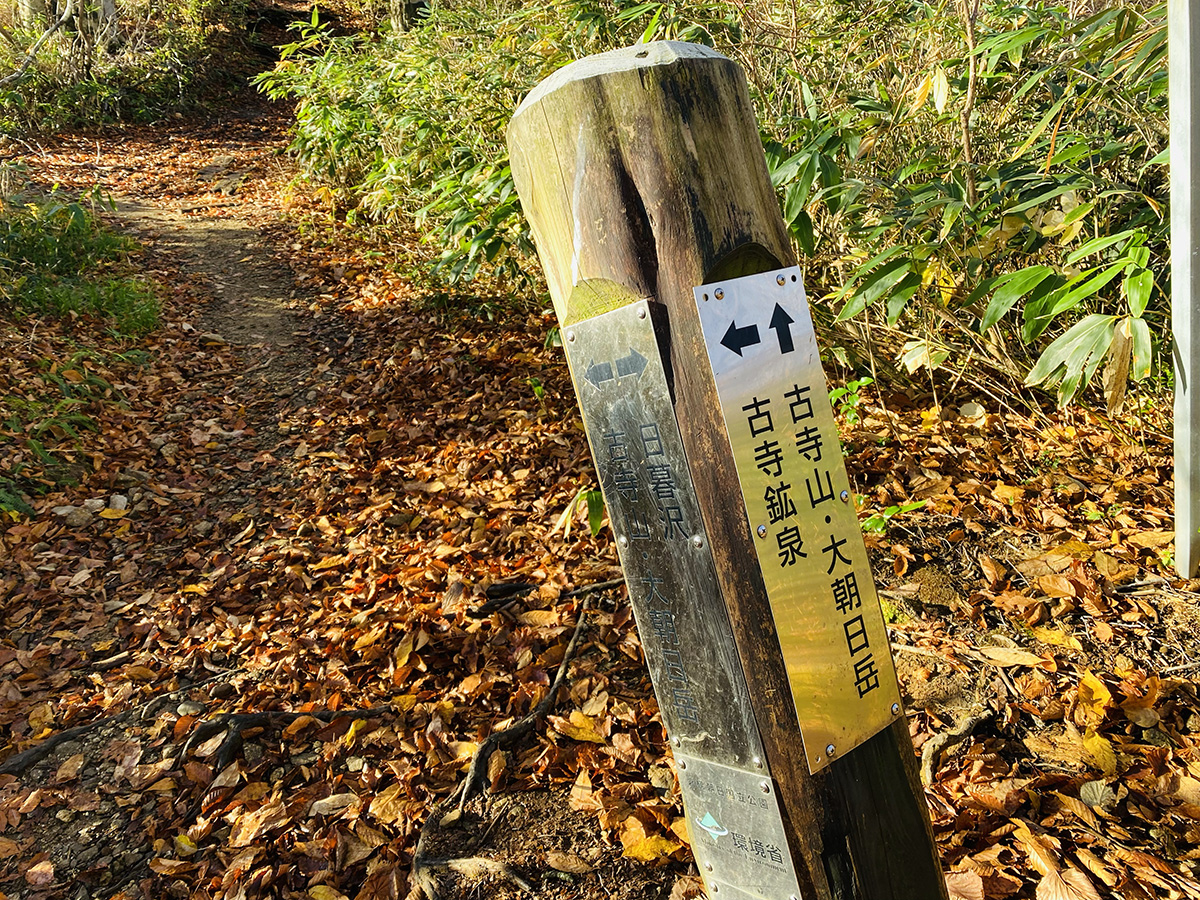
x=712 y=826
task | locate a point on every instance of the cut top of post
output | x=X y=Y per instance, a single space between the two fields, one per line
x=624 y=59
x=639 y=171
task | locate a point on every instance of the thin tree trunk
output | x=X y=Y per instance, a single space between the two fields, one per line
x=32 y=13
x=32 y=54
x=406 y=14
x=970 y=14
x=400 y=15
x=97 y=20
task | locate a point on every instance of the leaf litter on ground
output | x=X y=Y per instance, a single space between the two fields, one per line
x=302 y=585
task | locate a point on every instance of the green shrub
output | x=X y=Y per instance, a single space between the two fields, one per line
x=56 y=259
x=1026 y=231
x=43 y=421
x=1068 y=218
x=409 y=126
x=155 y=58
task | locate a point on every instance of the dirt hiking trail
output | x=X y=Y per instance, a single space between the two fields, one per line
x=175 y=700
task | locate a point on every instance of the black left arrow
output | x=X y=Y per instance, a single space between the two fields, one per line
x=598 y=373
x=780 y=324
x=738 y=338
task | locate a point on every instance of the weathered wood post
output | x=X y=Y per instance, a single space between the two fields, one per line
x=643 y=177
x=1183 y=24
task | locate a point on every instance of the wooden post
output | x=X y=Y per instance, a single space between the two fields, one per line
x=642 y=174
x=1183 y=35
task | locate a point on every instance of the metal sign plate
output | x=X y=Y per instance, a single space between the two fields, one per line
x=760 y=341
x=677 y=604
x=736 y=829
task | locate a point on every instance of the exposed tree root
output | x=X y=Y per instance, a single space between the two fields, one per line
x=595 y=588
x=476 y=867
x=933 y=747
x=501 y=595
x=18 y=763
x=236 y=723
x=497 y=739
x=424 y=866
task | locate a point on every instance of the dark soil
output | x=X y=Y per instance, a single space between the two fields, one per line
x=551 y=846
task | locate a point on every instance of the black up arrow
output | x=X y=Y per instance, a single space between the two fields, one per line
x=598 y=373
x=780 y=322
x=737 y=338
x=633 y=364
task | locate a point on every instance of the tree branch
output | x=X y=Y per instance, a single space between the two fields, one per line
x=68 y=12
x=7 y=34
x=479 y=762
x=422 y=863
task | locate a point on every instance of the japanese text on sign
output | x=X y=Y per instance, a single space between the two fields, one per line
x=795 y=445
x=675 y=597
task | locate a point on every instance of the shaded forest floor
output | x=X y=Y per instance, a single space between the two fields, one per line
x=310 y=561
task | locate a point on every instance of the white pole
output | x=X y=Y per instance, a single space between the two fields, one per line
x=1184 y=50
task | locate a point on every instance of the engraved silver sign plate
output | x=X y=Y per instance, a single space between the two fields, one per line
x=736 y=829
x=669 y=570
x=647 y=486
x=763 y=351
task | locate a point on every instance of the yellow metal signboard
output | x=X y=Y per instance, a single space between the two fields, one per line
x=760 y=341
